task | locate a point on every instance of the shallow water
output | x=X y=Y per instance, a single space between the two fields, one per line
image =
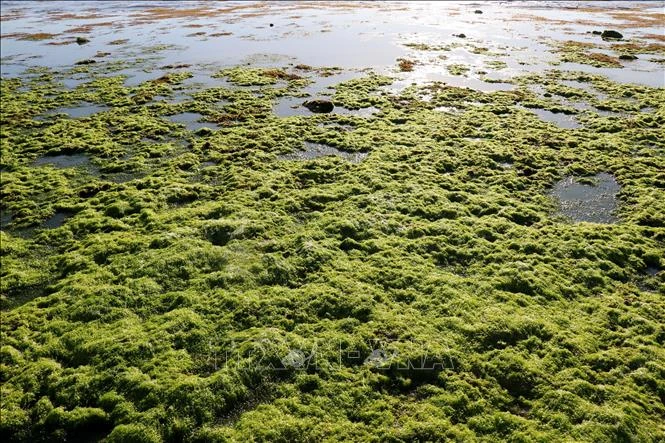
x=64 y=161
x=313 y=151
x=191 y=121
x=448 y=109
x=559 y=119
x=588 y=203
x=73 y=82
x=358 y=36
x=57 y=220
x=5 y=218
x=80 y=110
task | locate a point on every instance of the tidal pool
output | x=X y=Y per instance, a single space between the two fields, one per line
x=57 y=220
x=80 y=110
x=313 y=151
x=191 y=120
x=581 y=202
x=64 y=161
x=558 y=118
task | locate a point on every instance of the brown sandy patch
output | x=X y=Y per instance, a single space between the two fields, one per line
x=541 y=19
x=90 y=15
x=88 y=27
x=659 y=37
x=637 y=19
x=246 y=9
x=29 y=36
x=626 y=19
x=11 y=14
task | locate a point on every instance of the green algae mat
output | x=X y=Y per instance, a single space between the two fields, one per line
x=189 y=259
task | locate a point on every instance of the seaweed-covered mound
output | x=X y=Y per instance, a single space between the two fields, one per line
x=204 y=284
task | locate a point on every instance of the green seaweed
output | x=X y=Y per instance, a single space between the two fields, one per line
x=164 y=306
x=458 y=69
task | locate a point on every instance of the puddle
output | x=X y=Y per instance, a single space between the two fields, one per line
x=136 y=77
x=448 y=109
x=5 y=219
x=120 y=177
x=79 y=111
x=637 y=74
x=362 y=112
x=316 y=150
x=72 y=83
x=191 y=121
x=64 y=161
x=588 y=203
x=561 y=120
x=57 y=220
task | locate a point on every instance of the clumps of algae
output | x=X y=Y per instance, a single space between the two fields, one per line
x=458 y=69
x=583 y=52
x=165 y=306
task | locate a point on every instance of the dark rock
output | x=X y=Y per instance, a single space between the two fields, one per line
x=204 y=132
x=319 y=106
x=627 y=57
x=271 y=25
x=477 y=11
x=82 y=40
x=608 y=34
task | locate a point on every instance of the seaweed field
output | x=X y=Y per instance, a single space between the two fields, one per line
x=332 y=221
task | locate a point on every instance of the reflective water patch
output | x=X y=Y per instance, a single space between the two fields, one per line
x=559 y=119
x=64 y=160
x=581 y=202
x=191 y=120
x=312 y=151
x=80 y=110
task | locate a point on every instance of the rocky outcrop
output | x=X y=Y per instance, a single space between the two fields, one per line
x=612 y=35
x=320 y=106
